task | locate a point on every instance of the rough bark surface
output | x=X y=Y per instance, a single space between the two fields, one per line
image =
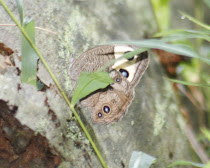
x=153 y=123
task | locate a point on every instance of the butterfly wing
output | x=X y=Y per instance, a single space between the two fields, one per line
x=110 y=104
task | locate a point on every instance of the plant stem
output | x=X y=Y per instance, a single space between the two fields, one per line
x=196 y=21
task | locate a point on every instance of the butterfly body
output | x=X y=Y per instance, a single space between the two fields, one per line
x=110 y=104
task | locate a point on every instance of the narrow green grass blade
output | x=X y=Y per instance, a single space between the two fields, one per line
x=88 y=83
x=29 y=56
x=20 y=10
x=188 y=83
x=196 y=21
x=172 y=48
x=174 y=31
x=182 y=34
x=185 y=163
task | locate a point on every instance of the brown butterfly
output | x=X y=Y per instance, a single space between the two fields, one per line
x=110 y=104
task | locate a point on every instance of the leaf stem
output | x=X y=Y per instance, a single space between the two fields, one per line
x=57 y=83
x=195 y=21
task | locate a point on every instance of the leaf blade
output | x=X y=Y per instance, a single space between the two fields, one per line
x=182 y=34
x=29 y=56
x=187 y=83
x=185 y=163
x=162 y=13
x=88 y=83
x=180 y=49
x=206 y=133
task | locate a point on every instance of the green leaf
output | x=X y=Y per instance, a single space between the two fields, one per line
x=190 y=71
x=172 y=48
x=207 y=2
x=29 y=56
x=20 y=10
x=207 y=165
x=173 y=31
x=161 y=11
x=188 y=83
x=180 y=34
x=206 y=133
x=88 y=83
x=196 y=21
x=141 y=160
x=185 y=163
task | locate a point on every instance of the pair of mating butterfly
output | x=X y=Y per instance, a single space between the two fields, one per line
x=110 y=104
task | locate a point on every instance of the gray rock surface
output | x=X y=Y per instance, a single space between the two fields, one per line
x=153 y=123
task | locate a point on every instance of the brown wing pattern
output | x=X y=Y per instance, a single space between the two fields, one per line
x=110 y=104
